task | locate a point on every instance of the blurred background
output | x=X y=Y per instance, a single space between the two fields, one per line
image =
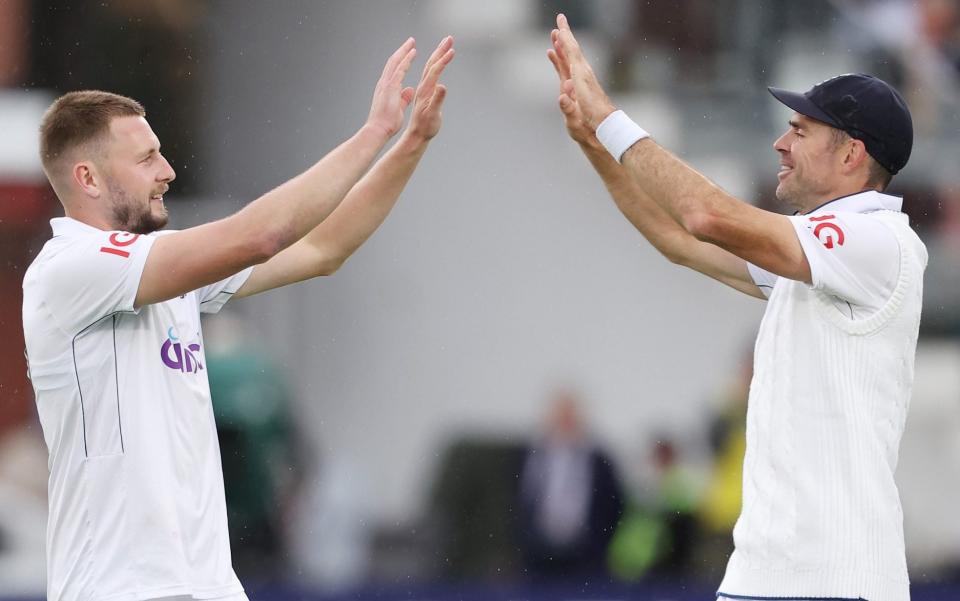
x=505 y=393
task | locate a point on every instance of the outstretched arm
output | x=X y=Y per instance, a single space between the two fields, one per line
x=195 y=257
x=324 y=250
x=705 y=211
x=655 y=224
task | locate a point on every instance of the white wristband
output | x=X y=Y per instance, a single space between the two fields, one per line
x=618 y=133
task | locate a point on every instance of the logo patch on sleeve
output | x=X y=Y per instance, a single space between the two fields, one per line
x=119 y=240
x=828 y=233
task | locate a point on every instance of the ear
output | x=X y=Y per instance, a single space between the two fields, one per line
x=87 y=178
x=855 y=156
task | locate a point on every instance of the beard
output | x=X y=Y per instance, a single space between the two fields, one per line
x=800 y=192
x=132 y=216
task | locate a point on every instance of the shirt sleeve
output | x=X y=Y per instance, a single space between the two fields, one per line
x=212 y=298
x=764 y=280
x=95 y=276
x=852 y=256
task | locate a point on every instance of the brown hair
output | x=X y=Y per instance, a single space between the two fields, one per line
x=79 y=118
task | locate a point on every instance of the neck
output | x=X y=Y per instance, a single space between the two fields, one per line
x=73 y=211
x=831 y=196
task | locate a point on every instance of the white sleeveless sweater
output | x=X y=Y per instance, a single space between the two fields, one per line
x=821 y=513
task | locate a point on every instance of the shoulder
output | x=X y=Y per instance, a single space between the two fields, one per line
x=62 y=253
x=843 y=231
x=899 y=225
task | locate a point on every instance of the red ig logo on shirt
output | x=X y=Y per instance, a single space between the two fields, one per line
x=119 y=240
x=828 y=233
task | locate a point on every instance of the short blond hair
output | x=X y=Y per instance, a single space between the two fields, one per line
x=78 y=118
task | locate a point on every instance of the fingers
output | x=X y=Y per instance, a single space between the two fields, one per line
x=397 y=56
x=566 y=44
x=567 y=106
x=432 y=74
x=555 y=60
x=401 y=70
x=438 y=96
x=563 y=65
x=406 y=97
x=444 y=45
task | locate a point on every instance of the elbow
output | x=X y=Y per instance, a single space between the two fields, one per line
x=700 y=224
x=328 y=257
x=330 y=265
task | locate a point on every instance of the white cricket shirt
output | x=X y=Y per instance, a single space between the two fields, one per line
x=833 y=372
x=136 y=497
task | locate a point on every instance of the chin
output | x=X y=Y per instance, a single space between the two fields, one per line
x=788 y=197
x=149 y=223
x=782 y=193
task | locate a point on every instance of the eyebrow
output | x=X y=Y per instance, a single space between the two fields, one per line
x=795 y=124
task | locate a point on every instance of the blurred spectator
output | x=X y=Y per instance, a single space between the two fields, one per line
x=147 y=49
x=329 y=527
x=720 y=506
x=941 y=299
x=261 y=464
x=924 y=35
x=570 y=497
x=677 y=501
x=23 y=512
x=14 y=28
x=659 y=530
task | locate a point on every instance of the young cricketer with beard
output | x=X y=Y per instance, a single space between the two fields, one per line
x=112 y=325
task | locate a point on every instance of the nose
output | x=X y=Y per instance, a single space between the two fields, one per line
x=167 y=174
x=781 y=145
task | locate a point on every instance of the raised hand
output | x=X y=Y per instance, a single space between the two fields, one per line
x=572 y=115
x=593 y=102
x=390 y=98
x=428 y=100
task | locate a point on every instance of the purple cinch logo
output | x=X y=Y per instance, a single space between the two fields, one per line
x=180 y=357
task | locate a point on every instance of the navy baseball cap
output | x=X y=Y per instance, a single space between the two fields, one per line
x=867 y=108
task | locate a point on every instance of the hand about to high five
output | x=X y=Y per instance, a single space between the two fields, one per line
x=426 y=118
x=390 y=98
x=572 y=115
x=579 y=81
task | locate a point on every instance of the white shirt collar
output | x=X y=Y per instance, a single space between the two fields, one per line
x=68 y=225
x=861 y=202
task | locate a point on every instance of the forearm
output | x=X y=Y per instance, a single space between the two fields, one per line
x=662 y=230
x=367 y=205
x=652 y=221
x=689 y=198
x=288 y=212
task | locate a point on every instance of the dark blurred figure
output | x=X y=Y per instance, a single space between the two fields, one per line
x=941 y=299
x=570 y=498
x=261 y=463
x=470 y=529
x=146 y=49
